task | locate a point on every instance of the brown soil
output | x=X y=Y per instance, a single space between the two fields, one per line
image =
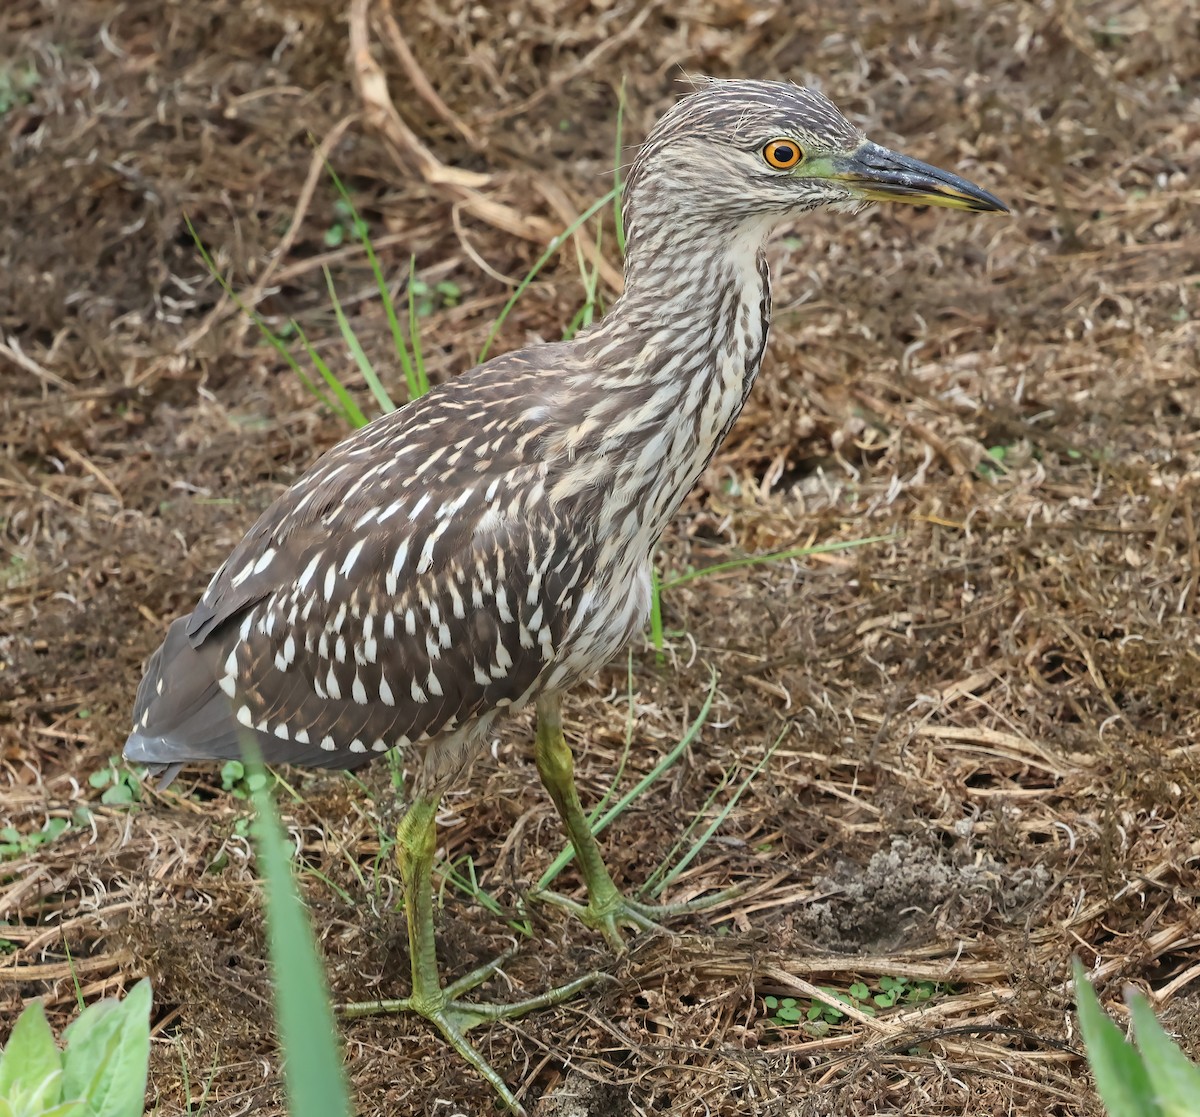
x=987 y=722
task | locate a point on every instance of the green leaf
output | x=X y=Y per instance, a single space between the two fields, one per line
x=53 y=828
x=119 y=795
x=790 y=1015
x=108 y=1053
x=257 y=781
x=313 y=1075
x=1121 y=1077
x=101 y=778
x=859 y=991
x=30 y=1057
x=231 y=772
x=76 y=1107
x=44 y=1095
x=1173 y=1077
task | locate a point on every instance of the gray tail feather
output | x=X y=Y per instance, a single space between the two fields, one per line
x=181 y=715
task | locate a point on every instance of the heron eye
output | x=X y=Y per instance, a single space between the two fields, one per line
x=782 y=154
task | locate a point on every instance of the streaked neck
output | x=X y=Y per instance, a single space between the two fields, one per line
x=669 y=370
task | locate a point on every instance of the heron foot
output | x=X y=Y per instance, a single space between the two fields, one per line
x=454 y=1017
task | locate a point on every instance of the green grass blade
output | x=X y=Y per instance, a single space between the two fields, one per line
x=356 y=350
x=329 y=884
x=665 y=763
x=385 y=295
x=420 y=379
x=470 y=886
x=664 y=865
x=722 y=815
x=345 y=406
x=565 y=856
x=577 y=323
x=313 y=1075
x=540 y=263
x=1174 y=1079
x=657 y=637
x=773 y=556
x=1121 y=1078
x=590 y=278
x=276 y=342
x=615 y=782
x=411 y=378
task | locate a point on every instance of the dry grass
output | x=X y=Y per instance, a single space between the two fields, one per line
x=990 y=753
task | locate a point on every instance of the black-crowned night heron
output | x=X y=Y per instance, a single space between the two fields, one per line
x=488 y=545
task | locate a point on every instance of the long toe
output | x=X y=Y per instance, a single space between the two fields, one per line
x=454 y=1017
x=612 y=913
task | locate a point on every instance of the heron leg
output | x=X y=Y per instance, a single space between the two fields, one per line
x=608 y=910
x=415 y=848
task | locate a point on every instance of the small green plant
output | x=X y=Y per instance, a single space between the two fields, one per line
x=427 y=299
x=15 y=844
x=121 y=786
x=240 y=783
x=993 y=462
x=818 y=1014
x=900 y=990
x=17 y=84
x=785 y=1011
x=858 y=996
x=102 y=1072
x=345 y=221
x=1152 y=1079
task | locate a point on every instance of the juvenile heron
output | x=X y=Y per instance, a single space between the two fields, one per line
x=488 y=545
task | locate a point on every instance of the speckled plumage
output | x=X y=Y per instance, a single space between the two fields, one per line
x=489 y=543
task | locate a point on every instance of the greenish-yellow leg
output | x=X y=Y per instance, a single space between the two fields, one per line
x=607 y=909
x=415 y=846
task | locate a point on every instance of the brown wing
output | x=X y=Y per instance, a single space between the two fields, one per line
x=410 y=583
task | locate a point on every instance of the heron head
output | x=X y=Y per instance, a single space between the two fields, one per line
x=735 y=152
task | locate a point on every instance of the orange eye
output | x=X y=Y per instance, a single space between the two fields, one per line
x=782 y=154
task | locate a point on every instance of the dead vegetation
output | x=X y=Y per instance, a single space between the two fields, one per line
x=991 y=718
